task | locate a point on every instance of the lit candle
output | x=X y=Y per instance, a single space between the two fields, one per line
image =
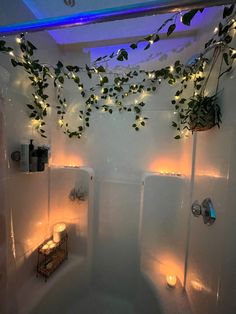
x=45 y=247
x=171 y=280
x=58 y=232
x=51 y=244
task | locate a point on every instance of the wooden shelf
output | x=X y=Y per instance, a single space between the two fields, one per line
x=50 y=259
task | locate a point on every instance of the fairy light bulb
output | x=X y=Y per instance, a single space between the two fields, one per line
x=216 y=30
x=151 y=42
x=60 y=122
x=176 y=97
x=136 y=101
x=171 y=68
x=11 y=53
x=18 y=40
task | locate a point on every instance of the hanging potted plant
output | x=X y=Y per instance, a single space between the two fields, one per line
x=204 y=111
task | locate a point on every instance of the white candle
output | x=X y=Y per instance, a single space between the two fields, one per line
x=171 y=280
x=45 y=247
x=58 y=232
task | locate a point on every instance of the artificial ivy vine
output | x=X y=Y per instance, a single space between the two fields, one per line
x=111 y=89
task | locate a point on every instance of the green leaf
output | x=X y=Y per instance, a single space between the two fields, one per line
x=59 y=65
x=61 y=79
x=133 y=46
x=228 y=11
x=100 y=69
x=177 y=137
x=171 y=28
x=226 y=58
x=187 y=17
x=14 y=63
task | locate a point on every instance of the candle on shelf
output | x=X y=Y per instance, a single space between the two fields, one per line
x=59 y=231
x=51 y=244
x=45 y=247
x=171 y=280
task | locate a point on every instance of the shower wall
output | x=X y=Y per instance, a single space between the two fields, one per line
x=120 y=156
x=212 y=254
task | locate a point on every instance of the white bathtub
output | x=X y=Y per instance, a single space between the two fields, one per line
x=69 y=292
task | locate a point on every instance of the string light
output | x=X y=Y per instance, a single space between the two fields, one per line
x=60 y=121
x=11 y=53
x=18 y=40
x=216 y=30
x=171 y=68
x=151 y=42
x=176 y=97
x=136 y=101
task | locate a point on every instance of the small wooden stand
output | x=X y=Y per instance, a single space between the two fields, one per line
x=50 y=259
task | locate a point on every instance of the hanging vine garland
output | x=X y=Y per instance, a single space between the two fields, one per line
x=116 y=87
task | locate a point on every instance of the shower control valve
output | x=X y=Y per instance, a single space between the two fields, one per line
x=196 y=209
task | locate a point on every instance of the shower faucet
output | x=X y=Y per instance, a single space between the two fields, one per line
x=206 y=210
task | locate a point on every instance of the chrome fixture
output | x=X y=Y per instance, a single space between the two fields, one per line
x=206 y=210
x=69 y=3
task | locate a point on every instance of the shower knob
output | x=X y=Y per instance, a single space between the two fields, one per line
x=196 y=209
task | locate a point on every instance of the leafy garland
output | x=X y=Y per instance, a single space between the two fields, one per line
x=114 y=88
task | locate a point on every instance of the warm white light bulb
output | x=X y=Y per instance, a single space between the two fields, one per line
x=18 y=40
x=11 y=53
x=151 y=42
x=216 y=30
x=171 y=69
x=171 y=280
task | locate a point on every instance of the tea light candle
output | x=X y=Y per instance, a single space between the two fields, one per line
x=58 y=232
x=171 y=280
x=45 y=247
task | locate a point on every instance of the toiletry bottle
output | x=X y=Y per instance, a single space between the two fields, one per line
x=24 y=160
x=40 y=159
x=34 y=161
x=31 y=149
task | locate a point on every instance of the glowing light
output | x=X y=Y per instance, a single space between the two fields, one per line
x=171 y=69
x=11 y=53
x=151 y=75
x=216 y=30
x=126 y=94
x=80 y=87
x=59 y=231
x=96 y=97
x=176 y=97
x=60 y=121
x=171 y=280
x=18 y=40
x=151 y=42
x=136 y=101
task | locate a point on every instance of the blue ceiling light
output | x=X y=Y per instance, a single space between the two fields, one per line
x=99 y=16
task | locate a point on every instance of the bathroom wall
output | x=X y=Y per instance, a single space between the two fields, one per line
x=25 y=210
